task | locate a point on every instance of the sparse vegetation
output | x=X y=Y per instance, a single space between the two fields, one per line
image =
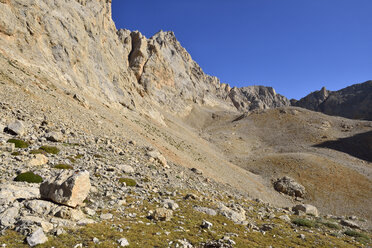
x=19 y=143
x=50 y=149
x=28 y=177
x=128 y=182
x=15 y=153
x=63 y=167
x=304 y=222
x=38 y=151
x=332 y=225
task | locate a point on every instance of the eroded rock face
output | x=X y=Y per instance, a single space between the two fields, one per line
x=289 y=186
x=352 y=102
x=257 y=97
x=68 y=188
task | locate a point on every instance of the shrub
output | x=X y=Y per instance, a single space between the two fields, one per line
x=79 y=156
x=50 y=149
x=304 y=222
x=28 y=177
x=63 y=167
x=128 y=181
x=15 y=153
x=72 y=160
x=19 y=143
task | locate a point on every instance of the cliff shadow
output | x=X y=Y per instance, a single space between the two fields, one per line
x=359 y=145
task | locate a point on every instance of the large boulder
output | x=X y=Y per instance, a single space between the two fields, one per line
x=307 y=209
x=16 y=128
x=289 y=186
x=68 y=188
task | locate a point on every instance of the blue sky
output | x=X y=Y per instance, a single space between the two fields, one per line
x=295 y=46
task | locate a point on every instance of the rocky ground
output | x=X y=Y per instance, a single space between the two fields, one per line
x=139 y=199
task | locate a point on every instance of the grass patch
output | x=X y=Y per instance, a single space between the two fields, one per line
x=360 y=237
x=28 y=177
x=38 y=151
x=63 y=167
x=332 y=225
x=15 y=153
x=98 y=156
x=72 y=160
x=79 y=156
x=128 y=181
x=50 y=149
x=19 y=143
x=304 y=222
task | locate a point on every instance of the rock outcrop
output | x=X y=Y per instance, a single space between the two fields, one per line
x=257 y=97
x=289 y=186
x=352 y=102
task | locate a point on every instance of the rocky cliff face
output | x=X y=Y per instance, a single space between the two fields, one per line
x=74 y=46
x=352 y=102
x=257 y=97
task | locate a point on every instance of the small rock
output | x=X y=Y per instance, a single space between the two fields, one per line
x=126 y=169
x=123 y=242
x=54 y=137
x=170 y=204
x=16 y=128
x=196 y=171
x=302 y=236
x=36 y=238
x=285 y=218
x=7 y=147
x=206 y=224
x=38 y=160
x=162 y=214
x=205 y=210
x=95 y=240
x=78 y=246
x=350 y=223
x=107 y=216
x=7 y=218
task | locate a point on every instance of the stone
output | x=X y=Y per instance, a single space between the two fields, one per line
x=69 y=188
x=28 y=221
x=7 y=218
x=350 y=223
x=123 y=242
x=289 y=186
x=54 y=136
x=36 y=238
x=307 y=209
x=162 y=214
x=126 y=169
x=7 y=147
x=170 y=204
x=196 y=171
x=285 y=218
x=159 y=157
x=39 y=206
x=38 y=160
x=106 y=216
x=95 y=240
x=236 y=216
x=206 y=224
x=16 y=128
x=10 y=193
x=205 y=210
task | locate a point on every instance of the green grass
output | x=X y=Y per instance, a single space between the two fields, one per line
x=98 y=156
x=72 y=160
x=38 y=151
x=50 y=149
x=128 y=181
x=15 y=153
x=304 y=222
x=28 y=177
x=79 y=156
x=63 y=167
x=360 y=237
x=19 y=143
x=332 y=225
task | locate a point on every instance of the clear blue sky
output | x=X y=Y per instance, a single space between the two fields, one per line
x=295 y=46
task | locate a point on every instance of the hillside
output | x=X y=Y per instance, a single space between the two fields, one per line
x=156 y=153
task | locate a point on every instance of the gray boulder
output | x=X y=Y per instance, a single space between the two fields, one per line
x=68 y=188
x=16 y=128
x=289 y=186
x=36 y=238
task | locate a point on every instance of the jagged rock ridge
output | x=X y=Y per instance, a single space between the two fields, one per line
x=352 y=102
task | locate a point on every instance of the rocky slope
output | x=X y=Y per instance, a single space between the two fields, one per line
x=172 y=159
x=352 y=102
